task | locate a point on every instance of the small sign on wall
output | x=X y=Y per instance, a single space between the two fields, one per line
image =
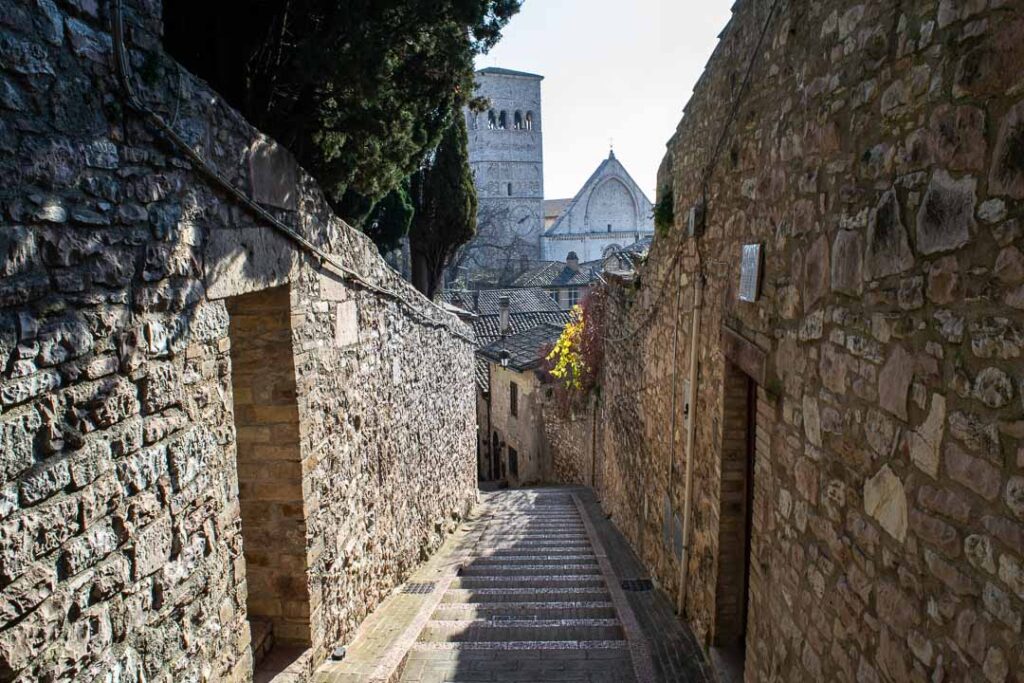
x=750 y=273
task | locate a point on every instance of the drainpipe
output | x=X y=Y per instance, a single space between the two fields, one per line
x=691 y=429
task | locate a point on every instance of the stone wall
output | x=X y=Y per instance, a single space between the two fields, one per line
x=571 y=443
x=150 y=434
x=874 y=155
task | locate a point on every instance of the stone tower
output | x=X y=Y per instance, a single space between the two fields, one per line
x=507 y=156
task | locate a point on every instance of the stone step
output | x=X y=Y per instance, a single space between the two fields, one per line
x=442 y=663
x=531 y=534
x=498 y=560
x=520 y=630
x=524 y=645
x=507 y=569
x=530 y=542
x=559 y=551
x=534 y=530
x=524 y=610
x=543 y=581
x=504 y=594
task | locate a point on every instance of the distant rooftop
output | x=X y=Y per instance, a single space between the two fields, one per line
x=558 y=274
x=524 y=348
x=486 y=301
x=553 y=208
x=498 y=71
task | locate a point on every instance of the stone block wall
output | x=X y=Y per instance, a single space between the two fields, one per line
x=571 y=443
x=872 y=155
x=140 y=441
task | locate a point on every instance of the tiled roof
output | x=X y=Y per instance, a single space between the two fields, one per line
x=553 y=208
x=486 y=326
x=485 y=301
x=483 y=375
x=557 y=274
x=627 y=259
x=524 y=348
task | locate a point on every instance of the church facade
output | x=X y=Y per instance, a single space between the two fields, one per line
x=608 y=214
x=516 y=228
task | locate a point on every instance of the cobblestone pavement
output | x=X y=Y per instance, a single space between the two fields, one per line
x=531 y=592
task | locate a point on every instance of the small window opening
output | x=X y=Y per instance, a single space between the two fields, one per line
x=609 y=227
x=529 y=120
x=513 y=398
x=513 y=462
x=503 y=121
x=492 y=120
x=510 y=189
x=517 y=121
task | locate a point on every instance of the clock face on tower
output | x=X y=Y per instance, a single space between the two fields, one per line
x=523 y=220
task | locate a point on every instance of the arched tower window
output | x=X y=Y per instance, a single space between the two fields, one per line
x=492 y=120
x=503 y=121
x=529 y=121
x=517 y=121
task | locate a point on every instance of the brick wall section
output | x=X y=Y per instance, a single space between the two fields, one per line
x=122 y=545
x=269 y=462
x=732 y=512
x=872 y=158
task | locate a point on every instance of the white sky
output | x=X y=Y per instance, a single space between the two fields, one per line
x=614 y=69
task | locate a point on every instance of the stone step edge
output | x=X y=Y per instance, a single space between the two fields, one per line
x=525 y=606
x=547 y=578
x=540 y=590
x=498 y=566
x=446 y=624
x=523 y=645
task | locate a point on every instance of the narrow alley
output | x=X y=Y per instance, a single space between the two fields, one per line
x=537 y=586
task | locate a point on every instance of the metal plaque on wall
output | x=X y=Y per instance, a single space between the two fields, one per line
x=750 y=272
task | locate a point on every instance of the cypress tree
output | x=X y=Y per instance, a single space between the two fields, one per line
x=444 y=200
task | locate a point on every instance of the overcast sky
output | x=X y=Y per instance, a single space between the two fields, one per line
x=614 y=70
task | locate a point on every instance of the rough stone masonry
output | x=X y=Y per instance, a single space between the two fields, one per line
x=877 y=156
x=201 y=424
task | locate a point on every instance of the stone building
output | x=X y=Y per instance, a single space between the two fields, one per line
x=506 y=153
x=225 y=423
x=566 y=283
x=518 y=451
x=827 y=474
x=609 y=213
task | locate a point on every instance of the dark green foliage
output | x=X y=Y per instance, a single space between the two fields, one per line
x=358 y=90
x=444 y=201
x=389 y=221
x=664 y=211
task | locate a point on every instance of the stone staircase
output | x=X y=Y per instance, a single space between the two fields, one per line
x=530 y=603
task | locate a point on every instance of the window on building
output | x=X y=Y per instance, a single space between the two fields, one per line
x=503 y=120
x=513 y=398
x=517 y=120
x=554 y=295
x=529 y=120
x=574 y=296
x=513 y=462
x=510 y=189
x=492 y=120
x=609 y=227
